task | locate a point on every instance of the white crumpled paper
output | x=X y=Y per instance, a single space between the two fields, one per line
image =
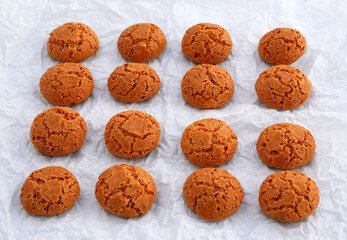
x=24 y=30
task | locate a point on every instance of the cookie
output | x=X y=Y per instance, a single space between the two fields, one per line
x=133 y=82
x=72 y=42
x=285 y=146
x=126 y=191
x=49 y=191
x=283 y=87
x=58 y=131
x=132 y=134
x=282 y=46
x=213 y=193
x=207 y=86
x=206 y=43
x=208 y=142
x=141 y=42
x=66 y=84
x=288 y=196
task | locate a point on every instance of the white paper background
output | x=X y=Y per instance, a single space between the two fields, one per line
x=24 y=30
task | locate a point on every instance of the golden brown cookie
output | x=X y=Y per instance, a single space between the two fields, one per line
x=282 y=46
x=58 y=131
x=285 y=146
x=288 y=196
x=66 y=84
x=133 y=82
x=283 y=87
x=207 y=86
x=208 y=142
x=213 y=193
x=49 y=191
x=125 y=190
x=72 y=42
x=132 y=134
x=141 y=42
x=206 y=43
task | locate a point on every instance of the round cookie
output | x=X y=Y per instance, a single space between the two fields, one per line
x=285 y=146
x=49 y=191
x=141 y=42
x=207 y=86
x=72 y=42
x=208 y=142
x=126 y=191
x=58 y=131
x=283 y=87
x=133 y=82
x=132 y=134
x=213 y=193
x=206 y=43
x=66 y=84
x=282 y=46
x=288 y=196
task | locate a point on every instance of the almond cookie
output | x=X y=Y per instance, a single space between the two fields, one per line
x=283 y=87
x=288 y=196
x=132 y=134
x=282 y=46
x=285 y=146
x=72 y=42
x=141 y=42
x=49 y=191
x=133 y=82
x=207 y=86
x=66 y=84
x=208 y=142
x=206 y=43
x=126 y=191
x=213 y=193
x=58 y=131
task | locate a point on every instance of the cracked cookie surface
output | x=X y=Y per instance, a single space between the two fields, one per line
x=206 y=43
x=208 y=142
x=213 y=193
x=66 y=84
x=282 y=46
x=286 y=146
x=141 y=42
x=283 y=87
x=58 y=131
x=207 y=86
x=72 y=42
x=288 y=196
x=132 y=134
x=126 y=190
x=49 y=191
x=133 y=82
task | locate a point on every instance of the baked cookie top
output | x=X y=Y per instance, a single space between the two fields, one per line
x=206 y=43
x=72 y=42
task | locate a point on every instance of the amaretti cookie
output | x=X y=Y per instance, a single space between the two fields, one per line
x=283 y=87
x=213 y=193
x=282 y=46
x=49 y=191
x=132 y=134
x=286 y=146
x=133 y=82
x=288 y=196
x=126 y=191
x=141 y=42
x=207 y=86
x=72 y=42
x=208 y=142
x=206 y=43
x=66 y=84
x=58 y=131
